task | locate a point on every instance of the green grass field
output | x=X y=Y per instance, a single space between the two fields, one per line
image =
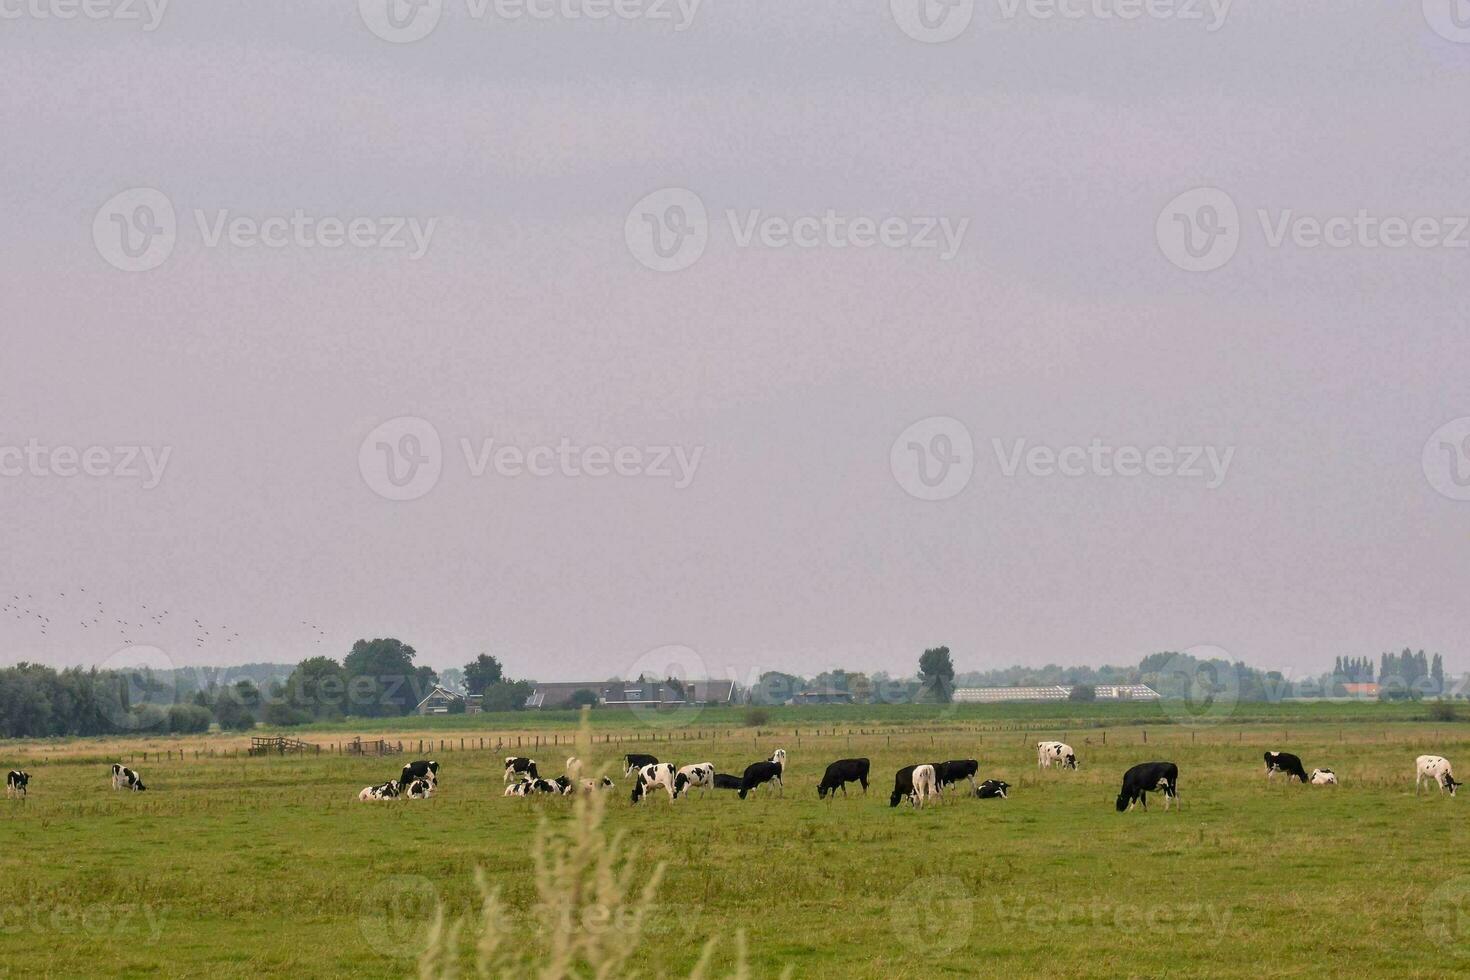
x=237 y=867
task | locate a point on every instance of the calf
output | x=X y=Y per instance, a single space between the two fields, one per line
x=1287 y=763
x=1146 y=777
x=16 y=781
x=993 y=789
x=698 y=776
x=842 y=772
x=125 y=778
x=758 y=773
x=652 y=777
x=1437 y=768
x=420 y=789
x=516 y=765
x=949 y=773
x=387 y=791
x=637 y=761
x=593 y=785
x=726 y=781
x=1059 y=752
x=1324 y=777
x=423 y=769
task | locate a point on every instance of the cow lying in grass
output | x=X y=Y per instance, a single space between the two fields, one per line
x=387 y=791
x=1323 y=777
x=993 y=789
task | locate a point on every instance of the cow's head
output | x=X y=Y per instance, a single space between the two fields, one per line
x=1450 y=783
x=1071 y=762
x=680 y=781
x=822 y=791
x=1122 y=802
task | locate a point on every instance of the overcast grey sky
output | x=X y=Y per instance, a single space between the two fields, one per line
x=1005 y=247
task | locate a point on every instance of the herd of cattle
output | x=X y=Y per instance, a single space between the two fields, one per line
x=916 y=784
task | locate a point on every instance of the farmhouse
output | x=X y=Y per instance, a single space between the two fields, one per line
x=825 y=695
x=559 y=694
x=1052 y=692
x=442 y=701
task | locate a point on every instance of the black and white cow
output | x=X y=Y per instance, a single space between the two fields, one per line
x=1436 y=768
x=1145 y=778
x=420 y=789
x=724 y=780
x=423 y=769
x=842 y=772
x=951 y=772
x=637 y=761
x=531 y=787
x=701 y=775
x=1055 y=752
x=903 y=785
x=652 y=777
x=520 y=767
x=759 y=773
x=125 y=778
x=1324 y=777
x=16 y=782
x=1287 y=763
x=993 y=789
x=387 y=791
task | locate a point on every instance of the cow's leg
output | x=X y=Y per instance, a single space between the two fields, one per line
x=780 y=788
x=864 y=781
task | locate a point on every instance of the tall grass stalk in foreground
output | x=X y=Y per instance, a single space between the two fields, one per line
x=590 y=913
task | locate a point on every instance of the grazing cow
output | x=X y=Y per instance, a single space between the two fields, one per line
x=903 y=785
x=637 y=761
x=16 y=782
x=701 y=775
x=423 y=769
x=758 y=773
x=520 y=766
x=926 y=784
x=951 y=772
x=726 y=781
x=842 y=772
x=993 y=789
x=1324 y=777
x=1059 y=752
x=125 y=778
x=1437 y=768
x=652 y=777
x=420 y=789
x=1287 y=763
x=1145 y=778
x=387 y=791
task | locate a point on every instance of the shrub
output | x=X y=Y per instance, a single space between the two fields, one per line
x=1443 y=711
x=755 y=717
x=284 y=715
x=188 y=719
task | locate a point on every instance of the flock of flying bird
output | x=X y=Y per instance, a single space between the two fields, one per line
x=89 y=619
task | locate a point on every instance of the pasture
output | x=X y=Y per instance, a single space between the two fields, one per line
x=237 y=867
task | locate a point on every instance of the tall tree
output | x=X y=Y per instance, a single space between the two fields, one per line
x=936 y=674
x=483 y=671
x=381 y=676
